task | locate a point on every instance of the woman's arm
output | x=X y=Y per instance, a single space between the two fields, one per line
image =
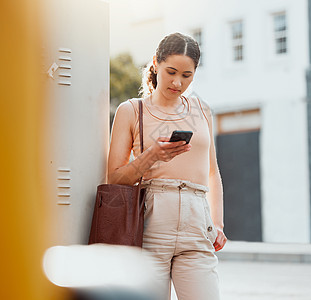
x=120 y=171
x=216 y=188
x=215 y=183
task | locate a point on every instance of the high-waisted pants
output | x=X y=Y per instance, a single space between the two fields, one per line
x=180 y=234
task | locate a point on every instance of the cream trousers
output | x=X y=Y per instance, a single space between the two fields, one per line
x=180 y=234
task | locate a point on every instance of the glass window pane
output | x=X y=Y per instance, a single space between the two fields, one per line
x=237 y=40
x=280 y=33
x=280 y=22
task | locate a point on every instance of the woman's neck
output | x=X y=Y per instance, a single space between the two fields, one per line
x=158 y=99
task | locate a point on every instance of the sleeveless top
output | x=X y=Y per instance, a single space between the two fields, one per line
x=192 y=165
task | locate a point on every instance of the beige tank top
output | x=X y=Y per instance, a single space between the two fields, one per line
x=193 y=165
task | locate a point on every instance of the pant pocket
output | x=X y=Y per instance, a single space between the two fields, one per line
x=148 y=202
x=210 y=227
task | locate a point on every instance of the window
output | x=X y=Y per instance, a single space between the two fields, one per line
x=280 y=33
x=237 y=40
x=197 y=35
x=239 y=121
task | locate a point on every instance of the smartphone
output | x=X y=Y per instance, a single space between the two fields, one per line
x=181 y=135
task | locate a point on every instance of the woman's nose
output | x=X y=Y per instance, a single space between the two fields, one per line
x=177 y=82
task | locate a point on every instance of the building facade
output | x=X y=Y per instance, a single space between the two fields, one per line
x=252 y=74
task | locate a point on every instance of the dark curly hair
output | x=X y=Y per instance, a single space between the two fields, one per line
x=172 y=44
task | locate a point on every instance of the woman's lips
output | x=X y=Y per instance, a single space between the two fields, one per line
x=173 y=90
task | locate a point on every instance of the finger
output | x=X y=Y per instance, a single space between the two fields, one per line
x=163 y=139
x=216 y=246
x=175 y=144
x=178 y=143
x=169 y=155
x=172 y=148
x=178 y=152
x=219 y=247
x=219 y=244
x=180 y=149
x=183 y=148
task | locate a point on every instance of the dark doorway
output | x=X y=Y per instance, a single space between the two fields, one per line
x=238 y=159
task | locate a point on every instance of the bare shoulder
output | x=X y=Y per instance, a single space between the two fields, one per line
x=125 y=112
x=126 y=107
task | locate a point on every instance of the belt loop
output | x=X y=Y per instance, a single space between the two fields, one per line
x=199 y=192
x=182 y=185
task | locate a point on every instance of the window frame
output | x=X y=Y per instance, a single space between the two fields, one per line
x=280 y=34
x=194 y=34
x=237 y=41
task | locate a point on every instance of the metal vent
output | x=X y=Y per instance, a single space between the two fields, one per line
x=63 y=186
x=64 y=59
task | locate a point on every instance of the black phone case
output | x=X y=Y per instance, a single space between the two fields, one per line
x=181 y=135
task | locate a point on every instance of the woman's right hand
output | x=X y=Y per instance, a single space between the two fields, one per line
x=164 y=150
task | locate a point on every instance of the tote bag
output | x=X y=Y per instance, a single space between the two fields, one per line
x=118 y=216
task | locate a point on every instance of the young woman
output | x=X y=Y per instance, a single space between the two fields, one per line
x=184 y=199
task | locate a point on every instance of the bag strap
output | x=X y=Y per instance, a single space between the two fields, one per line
x=141 y=134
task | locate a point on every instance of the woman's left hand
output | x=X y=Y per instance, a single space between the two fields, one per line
x=220 y=240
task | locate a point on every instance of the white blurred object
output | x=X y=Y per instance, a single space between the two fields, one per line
x=99 y=265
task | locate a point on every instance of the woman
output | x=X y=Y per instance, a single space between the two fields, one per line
x=184 y=198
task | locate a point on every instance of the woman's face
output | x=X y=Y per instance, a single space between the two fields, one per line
x=174 y=75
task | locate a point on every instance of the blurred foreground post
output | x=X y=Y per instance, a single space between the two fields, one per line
x=24 y=214
x=308 y=77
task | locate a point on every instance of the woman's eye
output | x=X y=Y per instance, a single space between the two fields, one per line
x=186 y=76
x=171 y=73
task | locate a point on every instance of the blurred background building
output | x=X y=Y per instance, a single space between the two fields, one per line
x=252 y=74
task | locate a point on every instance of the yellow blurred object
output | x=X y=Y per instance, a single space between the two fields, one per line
x=24 y=216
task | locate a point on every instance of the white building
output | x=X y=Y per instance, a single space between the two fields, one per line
x=254 y=59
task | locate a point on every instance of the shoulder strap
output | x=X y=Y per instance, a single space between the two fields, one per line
x=141 y=134
x=204 y=114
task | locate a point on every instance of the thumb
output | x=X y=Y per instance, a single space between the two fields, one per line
x=163 y=139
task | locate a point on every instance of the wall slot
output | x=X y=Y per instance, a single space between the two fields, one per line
x=64 y=75
x=63 y=186
x=64 y=83
x=64 y=60
x=65 y=50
